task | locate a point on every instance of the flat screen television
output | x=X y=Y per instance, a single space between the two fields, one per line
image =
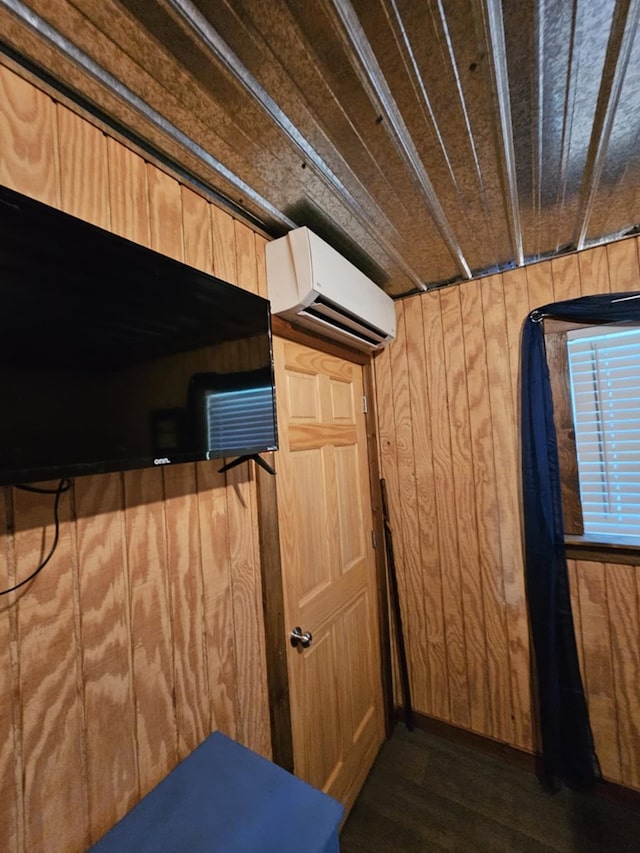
x=113 y=356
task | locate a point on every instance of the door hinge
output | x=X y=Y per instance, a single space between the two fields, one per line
x=374 y=540
x=365 y=404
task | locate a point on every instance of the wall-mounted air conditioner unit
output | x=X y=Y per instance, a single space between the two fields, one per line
x=312 y=285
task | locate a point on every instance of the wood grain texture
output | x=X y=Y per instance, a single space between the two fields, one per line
x=458 y=686
x=245 y=554
x=187 y=617
x=504 y=364
x=497 y=695
x=406 y=523
x=112 y=763
x=464 y=502
x=29 y=139
x=48 y=644
x=622 y=260
x=181 y=514
x=225 y=262
x=11 y=760
x=123 y=654
x=624 y=611
x=540 y=285
x=597 y=666
x=253 y=722
x=151 y=628
x=594 y=271
x=388 y=471
x=438 y=688
x=566 y=277
x=504 y=408
x=329 y=570
x=468 y=384
x=222 y=666
x=145 y=529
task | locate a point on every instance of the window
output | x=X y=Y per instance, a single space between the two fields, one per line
x=604 y=374
x=595 y=377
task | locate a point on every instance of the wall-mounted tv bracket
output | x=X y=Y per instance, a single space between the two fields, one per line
x=257 y=459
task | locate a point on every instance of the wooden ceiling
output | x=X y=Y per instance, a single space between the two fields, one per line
x=430 y=141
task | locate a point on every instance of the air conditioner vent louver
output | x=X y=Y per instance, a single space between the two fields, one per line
x=314 y=286
x=333 y=315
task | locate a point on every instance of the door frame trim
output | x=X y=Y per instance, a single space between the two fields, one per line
x=271 y=574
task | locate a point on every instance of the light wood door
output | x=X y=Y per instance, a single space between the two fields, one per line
x=328 y=567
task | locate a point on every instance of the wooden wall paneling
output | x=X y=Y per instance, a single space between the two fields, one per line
x=218 y=605
x=593 y=268
x=498 y=689
x=452 y=600
x=145 y=529
x=225 y=262
x=623 y=265
x=246 y=261
x=516 y=307
x=597 y=663
x=112 y=765
x=589 y=592
x=218 y=616
x=260 y=243
x=50 y=700
x=11 y=773
x=196 y=231
x=516 y=304
x=504 y=307
x=181 y=513
x=151 y=629
x=407 y=523
x=45 y=613
x=128 y=194
x=574 y=589
x=566 y=277
x=29 y=150
x=462 y=479
x=254 y=724
x=253 y=721
x=274 y=618
x=540 y=285
x=438 y=688
x=84 y=169
x=624 y=615
x=187 y=607
x=383 y=599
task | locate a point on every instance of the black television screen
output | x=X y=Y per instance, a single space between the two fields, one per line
x=113 y=356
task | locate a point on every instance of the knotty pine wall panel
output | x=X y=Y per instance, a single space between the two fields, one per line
x=462 y=397
x=144 y=632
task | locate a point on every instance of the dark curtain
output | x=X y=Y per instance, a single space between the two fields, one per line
x=568 y=753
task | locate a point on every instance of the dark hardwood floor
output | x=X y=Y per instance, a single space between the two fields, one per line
x=429 y=794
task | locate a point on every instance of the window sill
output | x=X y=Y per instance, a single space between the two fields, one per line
x=617 y=550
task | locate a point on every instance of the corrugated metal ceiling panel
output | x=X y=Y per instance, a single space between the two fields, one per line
x=427 y=141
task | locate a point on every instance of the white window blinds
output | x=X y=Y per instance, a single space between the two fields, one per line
x=604 y=367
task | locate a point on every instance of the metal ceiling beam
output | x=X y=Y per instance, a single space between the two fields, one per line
x=123 y=93
x=377 y=88
x=207 y=35
x=500 y=74
x=618 y=54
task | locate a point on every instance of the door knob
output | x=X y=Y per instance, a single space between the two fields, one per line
x=300 y=638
